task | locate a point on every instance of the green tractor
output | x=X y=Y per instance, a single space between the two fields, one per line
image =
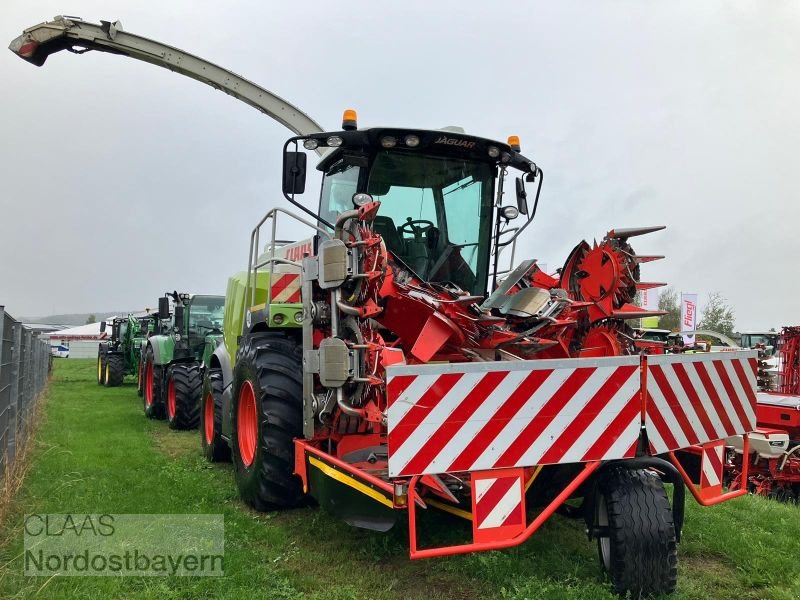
x=120 y=355
x=176 y=357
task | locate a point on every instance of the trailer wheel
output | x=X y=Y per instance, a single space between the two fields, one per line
x=267 y=416
x=636 y=539
x=115 y=370
x=215 y=448
x=153 y=403
x=101 y=367
x=184 y=383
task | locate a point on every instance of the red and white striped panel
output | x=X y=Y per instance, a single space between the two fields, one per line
x=475 y=416
x=285 y=288
x=711 y=465
x=498 y=504
x=699 y=398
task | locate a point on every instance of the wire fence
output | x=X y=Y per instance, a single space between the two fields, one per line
x=24 y=368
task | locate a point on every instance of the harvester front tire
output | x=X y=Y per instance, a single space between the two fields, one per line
x=184 y=383
x=267 y=416
x=153 y=401
x=215 y=448
x=637 y=544
x=115 y=370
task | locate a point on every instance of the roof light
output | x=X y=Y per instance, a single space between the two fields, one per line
x=334 y=141
x=311 y=144
x=494 y=151
x=349 y=120
x=513 y=141
x=388 y=141
x=412 y=141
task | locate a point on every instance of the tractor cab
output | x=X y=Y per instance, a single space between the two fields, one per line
x=440 y=195
x=204 y=315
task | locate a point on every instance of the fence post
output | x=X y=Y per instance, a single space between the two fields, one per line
x=5 y=400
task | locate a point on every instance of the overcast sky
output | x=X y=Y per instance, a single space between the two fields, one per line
x=121 y=180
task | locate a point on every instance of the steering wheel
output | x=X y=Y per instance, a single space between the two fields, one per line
x=415 y=227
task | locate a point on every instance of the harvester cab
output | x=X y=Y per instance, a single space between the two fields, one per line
x=175 y=358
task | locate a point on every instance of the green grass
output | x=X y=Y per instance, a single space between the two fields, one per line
x=96 y=453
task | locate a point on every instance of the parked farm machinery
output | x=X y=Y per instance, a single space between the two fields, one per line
x=119 y=355
x=774 y=458
x=175 y=358
x=386 y=366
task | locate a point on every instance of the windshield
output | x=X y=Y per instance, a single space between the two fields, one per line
x=750 y=340
x=205 y=313
x=435 y=214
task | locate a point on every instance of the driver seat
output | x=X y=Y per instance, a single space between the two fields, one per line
x=393 y=240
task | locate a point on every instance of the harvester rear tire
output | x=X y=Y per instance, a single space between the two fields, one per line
x=267 y=404
x=101 y=367
x=153 y=401
x=184 y=384
x=639 y=550
x=115 y=370
x=215 y=448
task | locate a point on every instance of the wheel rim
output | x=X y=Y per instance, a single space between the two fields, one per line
x=604 y=542
x=108 y=371
x=247 y=423
x=208 y=416
x=171 y=401
x=99 y=369
x=148 y=387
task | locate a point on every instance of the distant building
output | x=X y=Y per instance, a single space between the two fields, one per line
x=76 y=342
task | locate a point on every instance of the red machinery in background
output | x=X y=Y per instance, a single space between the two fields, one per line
x=775 y=446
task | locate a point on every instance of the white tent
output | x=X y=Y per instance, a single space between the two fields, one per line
x=77 y=342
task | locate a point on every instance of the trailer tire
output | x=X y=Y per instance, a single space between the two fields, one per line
x=153 y=401
x=215 y=448
x=184 y=383
x=115 y=370
x=101 y=367
x=267 y=417
x=636 y=543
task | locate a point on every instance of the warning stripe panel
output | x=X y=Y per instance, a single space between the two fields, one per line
x=538 y=412
x=711 y=471
x=699 y=399
x=285 y=288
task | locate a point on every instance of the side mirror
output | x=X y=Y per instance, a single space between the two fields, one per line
x=163 y=308
x=102 y=326
x=522 y=196
x=294 y=172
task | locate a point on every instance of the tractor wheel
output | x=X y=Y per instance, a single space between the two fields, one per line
x=636 y=539
x=184 y=383
x=267 y=416
x=115 y=370
x=214 y=447
x=101 y=367
x=140 y=377
x=153 y=402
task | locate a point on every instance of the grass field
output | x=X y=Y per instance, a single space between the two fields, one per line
x=96 y=453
